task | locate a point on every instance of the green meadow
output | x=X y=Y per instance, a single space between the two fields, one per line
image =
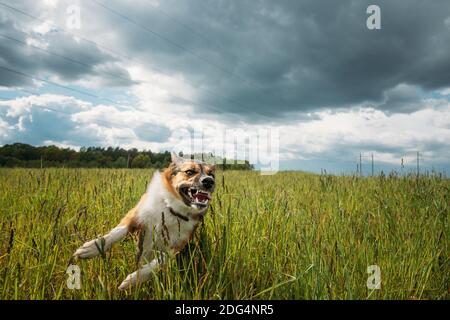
x=292 y=235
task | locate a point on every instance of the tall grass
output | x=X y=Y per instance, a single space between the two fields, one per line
x=288 y=236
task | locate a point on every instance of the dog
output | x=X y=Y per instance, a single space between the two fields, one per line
x=165 y=218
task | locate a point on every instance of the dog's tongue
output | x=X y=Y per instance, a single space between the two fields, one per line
x=201 y=196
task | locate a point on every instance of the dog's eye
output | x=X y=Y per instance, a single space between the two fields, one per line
x=212 y=175
x=190 y=172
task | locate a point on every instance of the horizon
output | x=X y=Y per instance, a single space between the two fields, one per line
x=367 y=170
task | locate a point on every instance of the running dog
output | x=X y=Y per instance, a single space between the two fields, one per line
x=164 y=219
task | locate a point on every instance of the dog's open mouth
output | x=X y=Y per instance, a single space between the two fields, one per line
x=195 y=196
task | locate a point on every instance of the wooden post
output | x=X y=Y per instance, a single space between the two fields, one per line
x=360 y=165
x=372 y=165
x=418 y=166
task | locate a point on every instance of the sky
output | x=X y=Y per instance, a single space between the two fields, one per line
x=147 y=74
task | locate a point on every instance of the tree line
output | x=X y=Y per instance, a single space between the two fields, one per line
x=28 y=156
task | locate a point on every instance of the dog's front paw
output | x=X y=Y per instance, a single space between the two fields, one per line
x=129 y=281
x=88 y=250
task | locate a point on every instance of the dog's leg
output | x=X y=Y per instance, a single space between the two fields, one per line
x=145 y=252
x=141 y=275
x=144 y=273
x=94 y=247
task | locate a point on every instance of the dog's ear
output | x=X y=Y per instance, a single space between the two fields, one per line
x=176 y=159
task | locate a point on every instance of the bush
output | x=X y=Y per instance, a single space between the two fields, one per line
x=141 y=161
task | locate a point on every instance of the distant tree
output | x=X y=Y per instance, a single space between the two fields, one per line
x=104 y=161
x=121 y=162
x=25 y=155
x=10 y=162
x=158 y=165
x=140 y=161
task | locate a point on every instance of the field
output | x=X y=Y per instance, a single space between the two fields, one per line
x=289 y=236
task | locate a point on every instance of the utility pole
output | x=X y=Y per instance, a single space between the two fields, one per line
x=418 y=166
x=360 y=165
x=372 y=164
x=128 y=161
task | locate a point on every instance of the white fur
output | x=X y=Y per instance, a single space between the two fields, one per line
x=90 y=248
x=140 y=276
x=169 y=236
x=156 y=206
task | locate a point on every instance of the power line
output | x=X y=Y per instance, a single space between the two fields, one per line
x=88 y=66
x=61 y=86
x=39 y=106
x=67 y=88
x=97 y=121
x=145 y=28
x=65 y=31
x=212 y=92
x=174 y=44
x=198 y=34
x=85 y=65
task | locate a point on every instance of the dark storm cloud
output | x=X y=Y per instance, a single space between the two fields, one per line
x=264 y=57
x=402 y=99
x=59 y=55
x=281 y=56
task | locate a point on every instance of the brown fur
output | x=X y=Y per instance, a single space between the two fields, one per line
x=130 y=219
x=167 y=180
x=171 y=181
x=177 y=180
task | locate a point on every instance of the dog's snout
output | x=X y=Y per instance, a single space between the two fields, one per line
x=207 y=182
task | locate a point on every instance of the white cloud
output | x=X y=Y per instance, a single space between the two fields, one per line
x=445 y=92
x=333 y=134
x=44 y=27
x=156 y=91
x=369 y=130
x=51 y=3
x=4 y=127
x=59 y=103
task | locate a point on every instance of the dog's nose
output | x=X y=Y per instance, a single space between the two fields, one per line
x=207 y=182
